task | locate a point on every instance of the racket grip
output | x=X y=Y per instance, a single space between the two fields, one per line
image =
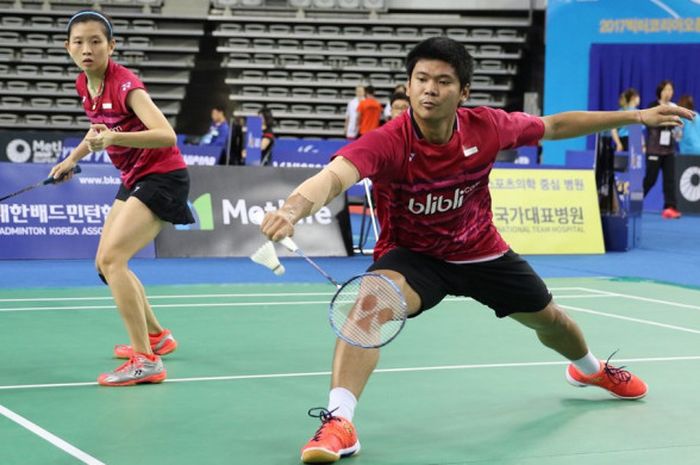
x=289 y=244
x=50 y=180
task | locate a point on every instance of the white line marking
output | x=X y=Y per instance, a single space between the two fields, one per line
x=644 y=299
x=51 y=438
x=636 y=320
x=194 y=296
x=173 y=296
x=243 y=304
x=380 y=370
x=190 y=305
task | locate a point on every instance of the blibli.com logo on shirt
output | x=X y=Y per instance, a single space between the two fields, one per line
x=439 y=203
x=203 y=215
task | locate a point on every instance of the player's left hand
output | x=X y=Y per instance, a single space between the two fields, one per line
x=665 y=115
x=100 y=137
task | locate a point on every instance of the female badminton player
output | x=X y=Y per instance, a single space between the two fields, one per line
x=155 y=184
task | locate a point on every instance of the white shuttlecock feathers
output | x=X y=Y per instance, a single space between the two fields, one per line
x=267 y=257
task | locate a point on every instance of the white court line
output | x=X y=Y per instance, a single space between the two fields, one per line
x=242 y=304
x=49 y=437
x=627 y=318
x=188 y=296
x=645 y=299
x=173 y=296
x=379 y=370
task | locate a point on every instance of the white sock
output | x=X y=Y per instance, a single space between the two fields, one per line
x=344 y=401
x=588 y=365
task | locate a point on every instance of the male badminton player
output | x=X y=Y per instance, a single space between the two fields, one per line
x=141 y=144
x=430 y=170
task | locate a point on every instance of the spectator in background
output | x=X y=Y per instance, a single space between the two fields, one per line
x=235 y=145
x=369 y=112
x=219 y=129
x=351 y=113
x=398 y=104
x=629 y=100
x=268 y=137
x=398 y=89
x=661 y=152
x=690 y=134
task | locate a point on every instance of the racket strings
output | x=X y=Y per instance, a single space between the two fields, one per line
x=369 y=310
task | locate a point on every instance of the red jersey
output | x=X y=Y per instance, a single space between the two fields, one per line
x=435 y=199
x=109 y=108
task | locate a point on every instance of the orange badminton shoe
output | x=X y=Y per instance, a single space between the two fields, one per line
x=617 y=381
x=161 y=344
x=335 y=438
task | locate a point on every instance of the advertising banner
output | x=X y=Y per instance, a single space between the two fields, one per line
x=55 y=221
x=688 y=183
x=547 y=211
x=30 y=146
x=229 y=203
x=207 y=155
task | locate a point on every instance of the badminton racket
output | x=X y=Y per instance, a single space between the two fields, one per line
x=367 y=311
x=49 y=180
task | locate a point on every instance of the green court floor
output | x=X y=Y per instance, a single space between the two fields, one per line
x=458 y=386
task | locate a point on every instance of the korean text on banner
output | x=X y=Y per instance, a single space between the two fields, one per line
x=56 y=221
x=547 y=211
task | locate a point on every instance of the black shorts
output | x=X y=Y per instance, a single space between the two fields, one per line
x=164 y=194
x=507 y=284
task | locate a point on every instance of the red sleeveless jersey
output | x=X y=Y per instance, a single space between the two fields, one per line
x=109 y=108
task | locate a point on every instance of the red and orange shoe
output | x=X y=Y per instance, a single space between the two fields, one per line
x=671 y=213
x=617 y=381
x=139 y=369
x=161 y=344
x=335 y=438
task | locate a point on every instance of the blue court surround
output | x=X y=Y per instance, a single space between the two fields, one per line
x=669 y=252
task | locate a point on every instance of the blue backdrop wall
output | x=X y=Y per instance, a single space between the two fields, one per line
x=573 y=26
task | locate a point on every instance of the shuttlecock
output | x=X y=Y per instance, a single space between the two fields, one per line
x=267 y=257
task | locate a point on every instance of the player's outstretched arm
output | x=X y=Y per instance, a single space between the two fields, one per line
x=580 y=123
x=309 y=197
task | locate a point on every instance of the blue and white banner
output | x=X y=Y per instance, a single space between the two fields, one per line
x=55 y=221
x=194 y=155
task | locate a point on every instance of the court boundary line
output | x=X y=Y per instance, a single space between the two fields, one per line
x=645 y=299
x=49 y=437
x=239 y=304
x=628 y=318
x=379 y=370
x=207 y=296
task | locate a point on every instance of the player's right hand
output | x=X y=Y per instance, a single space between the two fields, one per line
x=63 y=171
x=277 y=225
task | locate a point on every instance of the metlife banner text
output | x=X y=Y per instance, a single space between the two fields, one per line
x=31 y=146
x=55 y=221
x=229 y=203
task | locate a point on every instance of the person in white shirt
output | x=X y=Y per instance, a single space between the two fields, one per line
x=351 y=127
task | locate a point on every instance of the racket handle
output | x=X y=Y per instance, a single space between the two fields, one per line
x=50 y=180
x=289 y=244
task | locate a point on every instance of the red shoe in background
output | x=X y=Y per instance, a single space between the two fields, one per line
x=670 y=213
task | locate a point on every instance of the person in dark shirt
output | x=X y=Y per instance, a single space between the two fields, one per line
x=268 y=137
x=661 y=154
x=219 y=128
